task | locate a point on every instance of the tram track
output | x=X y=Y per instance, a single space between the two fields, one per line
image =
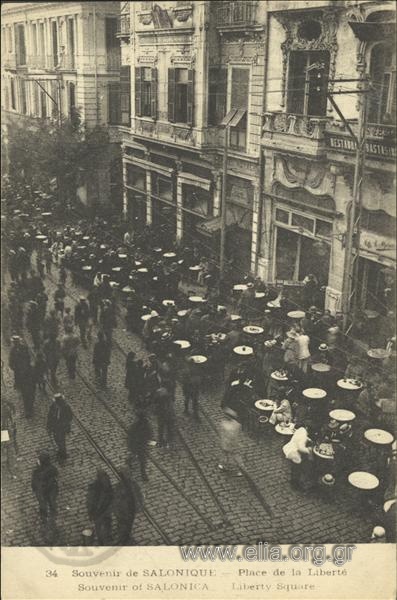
x=251 y=483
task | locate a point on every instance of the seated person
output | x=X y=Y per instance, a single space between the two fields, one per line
x=282 y=414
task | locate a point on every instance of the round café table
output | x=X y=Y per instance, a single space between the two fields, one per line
x=143 y=270
x=114 y=284
x=87 y=268
x=41 y=237
x=378 y=353
x=46 y=214
x=168 y=303
x=379 y=437
x=169 y=255
x=342 y=415
x=277 y=376
x=128 y=289
x=362 y=480
x=243 y=351
x=321 y=368
x=350 y=385
x=198 y=359
x=137 y=263
x=183 y=344
x=296 y=315
x=197 y=299
x=146 y=317
x=182 y=313
x=102 y=246
x=116 y=269
x=86 y=238
x=317 y=452
x=122 y=256
x=235 y=318
x=180 y=262
x=285 y=429
x=259 y=295
x=266 y=405
x=253 y=330
x=157 y=250
x=195 y=268
x=314 y=393
x=240 y=287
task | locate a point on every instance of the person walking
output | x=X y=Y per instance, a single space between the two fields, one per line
x=230 y=438
x=127 y=500
x=58 y=424
x=164 y=408
x=52 y=352
x=18 y=359
x=99 y=506
x=69 y=345
x=59 y=299
x=107 y=319
x=68 y=320
x=134 y=379
x=191 y=383
x=45 y=486
x=138 y=436
x=81 y=318
x=101 y=358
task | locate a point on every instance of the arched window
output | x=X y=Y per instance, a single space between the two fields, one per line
x=382 y=104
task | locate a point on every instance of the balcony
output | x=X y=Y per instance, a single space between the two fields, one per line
x=123 y=27
x=37 y=62
x=234 y=16
x=296 y=133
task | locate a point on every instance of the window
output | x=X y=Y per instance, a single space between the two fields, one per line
x=146 y=92
x=302 y=222
x=125 y=95
x=180 y=95
x=239 y=100
x=41 y=40
x=54 y=32
x=136 y=177
x=21 y=46
x=34 y=39
x=23 y=96
x=382 y=101
x=114 y=112
x=282 y=216
x=35 y=98
x=323 y=228
x=72 y=100
x=71 y=42
x=43 y=104
x=307 y=74
x=113 y=51
x=217 y=92
x=13 y=99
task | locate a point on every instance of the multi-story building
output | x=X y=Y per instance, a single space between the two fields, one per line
x=192 y=64
x=59 y=58
x=309 y=154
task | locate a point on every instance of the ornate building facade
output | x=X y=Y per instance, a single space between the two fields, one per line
x=60 y=58
x=190 y=64
x=309 y=154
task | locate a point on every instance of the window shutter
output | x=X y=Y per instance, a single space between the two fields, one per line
x=171 y=95
x=153 y=94
x=190 y=97
x=138 y=91
x=221 y=96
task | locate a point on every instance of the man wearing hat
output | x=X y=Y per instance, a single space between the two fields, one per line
x=81 y=318
x=18 y=359
x=59 y=419
x=45 y=486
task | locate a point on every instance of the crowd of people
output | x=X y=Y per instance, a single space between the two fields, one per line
x=322 y=392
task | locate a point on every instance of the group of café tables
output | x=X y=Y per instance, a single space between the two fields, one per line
x=378 y=441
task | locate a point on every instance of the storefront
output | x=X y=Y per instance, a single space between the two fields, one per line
x=302 y=237
x=239 y=224
x=197 y=203
x=136 y=197
x=163 y=206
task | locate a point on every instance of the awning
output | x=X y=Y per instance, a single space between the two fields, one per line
x=210 y=226
x=373 y=31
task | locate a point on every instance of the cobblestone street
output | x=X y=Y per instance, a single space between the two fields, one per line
x=187 y=495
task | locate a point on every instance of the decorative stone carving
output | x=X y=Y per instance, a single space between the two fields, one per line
x=183 y=13
x=186 y=135
x=312 y=176
x=327 y=40
x=147 y=60
x=164 y=128
x=145 y=18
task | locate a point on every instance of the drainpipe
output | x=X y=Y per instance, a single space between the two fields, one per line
x=261 y=221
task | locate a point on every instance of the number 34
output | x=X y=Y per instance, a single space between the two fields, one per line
x=51 y=573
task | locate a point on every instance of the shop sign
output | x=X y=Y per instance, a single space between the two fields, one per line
x=373 y=148
x=375 y=243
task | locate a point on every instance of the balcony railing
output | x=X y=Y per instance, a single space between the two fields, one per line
x=123 y=26
x=36 y=62
x=297 y=125
x=235 y=13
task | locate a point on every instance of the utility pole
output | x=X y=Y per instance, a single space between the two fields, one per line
x=352 y=249
x=223 y=204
